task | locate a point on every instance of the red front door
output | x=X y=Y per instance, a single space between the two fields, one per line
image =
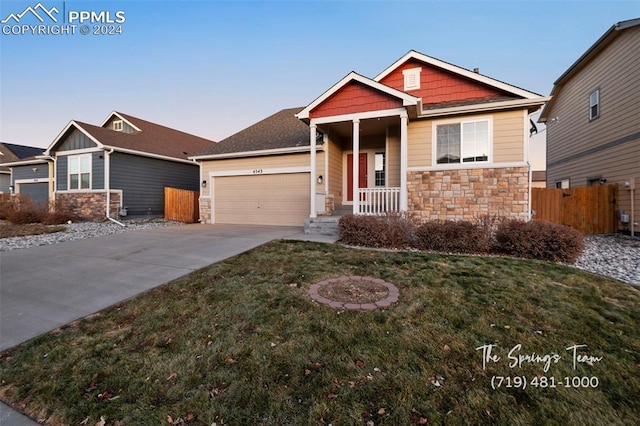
x=362 y=173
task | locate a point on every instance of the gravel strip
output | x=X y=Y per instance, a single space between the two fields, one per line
x=615 y=256
x=79 y=231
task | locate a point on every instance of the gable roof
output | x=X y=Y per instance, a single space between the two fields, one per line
x=280 y=131
x=152 y=139
x=509 y=96
x=587 y=56
x=412 y=54
x=20 y=152
x=12 y=153
x=407 y=99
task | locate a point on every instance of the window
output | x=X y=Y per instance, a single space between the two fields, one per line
x=594 y=104
x=80 y=171
x=412 y=78
x=466 y=141
x=118 y=126
x=562 y=184
x=379 y=166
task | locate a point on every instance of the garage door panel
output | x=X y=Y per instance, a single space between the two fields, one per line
x=278 y=199
x=38 y=192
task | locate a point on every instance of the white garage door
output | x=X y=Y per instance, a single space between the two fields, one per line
x=278 y=199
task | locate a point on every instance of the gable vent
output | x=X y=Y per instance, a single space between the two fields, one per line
x=412 y=78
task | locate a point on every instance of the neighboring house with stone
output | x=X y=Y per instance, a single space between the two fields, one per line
x=31 y=178
x=593 y=120
x=124 y=162
x=424 y=136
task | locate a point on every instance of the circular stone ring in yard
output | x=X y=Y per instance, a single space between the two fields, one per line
x=355 y=293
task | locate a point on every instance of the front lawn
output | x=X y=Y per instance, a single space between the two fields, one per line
x=242 y=343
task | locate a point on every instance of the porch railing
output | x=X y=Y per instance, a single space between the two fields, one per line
x=379 y=200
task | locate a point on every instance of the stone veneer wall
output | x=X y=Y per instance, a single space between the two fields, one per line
x=205 y=210
x=469 y=194
x=90 y=205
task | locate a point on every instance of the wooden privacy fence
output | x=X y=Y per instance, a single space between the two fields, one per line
x=590 y=209
x=181 y=205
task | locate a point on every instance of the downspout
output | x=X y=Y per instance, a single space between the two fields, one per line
x=107 y=178
x=527 y=147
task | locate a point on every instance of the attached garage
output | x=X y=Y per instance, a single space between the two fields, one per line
x=38 y=192
x=261 y=199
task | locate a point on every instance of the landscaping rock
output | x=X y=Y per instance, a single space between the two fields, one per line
x=79 y=231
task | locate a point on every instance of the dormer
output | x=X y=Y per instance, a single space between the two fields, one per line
x=119 y=123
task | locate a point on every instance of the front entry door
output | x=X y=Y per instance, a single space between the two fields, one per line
x=362 y=174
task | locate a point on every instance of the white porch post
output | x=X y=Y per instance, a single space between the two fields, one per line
x=312 y=140
x=404 y=149
x=356 y=166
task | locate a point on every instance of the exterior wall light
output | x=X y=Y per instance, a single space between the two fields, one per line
x=320 y=180
x=204 y=183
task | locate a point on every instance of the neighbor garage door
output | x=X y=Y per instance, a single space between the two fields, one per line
x=274 y=199
x=38 y=192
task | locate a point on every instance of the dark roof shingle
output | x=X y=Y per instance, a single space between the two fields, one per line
x=151 y=139
x=280 y=130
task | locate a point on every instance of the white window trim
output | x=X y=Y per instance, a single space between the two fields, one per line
x=409 y=75
x=118 y=125
x=461 y=164
x=592 y=104
x=79 y=189
x=562 y=183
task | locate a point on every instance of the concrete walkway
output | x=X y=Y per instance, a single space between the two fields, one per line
x=43 y=288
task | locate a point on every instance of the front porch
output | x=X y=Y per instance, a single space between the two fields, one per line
x=359 y=165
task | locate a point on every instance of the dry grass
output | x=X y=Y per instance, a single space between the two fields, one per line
x=8 y=230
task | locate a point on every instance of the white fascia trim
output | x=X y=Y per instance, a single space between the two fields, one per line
x=24 y=163
x=468 y=166
x=150 y=155
x=67 y=127
x=483 y=107
x=78 y=151
x=36 y=180
x=258 y=172
x=121 y=118
x=412 y=54
x=353 y=76
x=359 y=116
x=259 y=153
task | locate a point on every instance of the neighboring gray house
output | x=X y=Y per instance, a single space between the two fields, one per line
x=593 y=120
x=32 y=177
x=125 y=162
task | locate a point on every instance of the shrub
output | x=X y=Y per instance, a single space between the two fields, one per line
x=453 y=237
x=24 y=216
x=59 y=214
x=389 y=231
x=539 y=240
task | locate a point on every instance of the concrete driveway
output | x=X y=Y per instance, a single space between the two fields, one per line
x=43 y=288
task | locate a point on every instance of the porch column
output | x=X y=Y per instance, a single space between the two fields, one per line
x=312 y=140
x=356 y=166
x=403 y=162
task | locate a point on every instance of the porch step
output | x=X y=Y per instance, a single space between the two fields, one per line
x=342 y=210
x=322 y=225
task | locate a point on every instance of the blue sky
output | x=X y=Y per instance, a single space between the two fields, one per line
x=212 y=68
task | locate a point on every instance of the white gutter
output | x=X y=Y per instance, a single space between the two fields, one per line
x=483 y=107
x=293 y=150
x=107 y=177
x=147 y=154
